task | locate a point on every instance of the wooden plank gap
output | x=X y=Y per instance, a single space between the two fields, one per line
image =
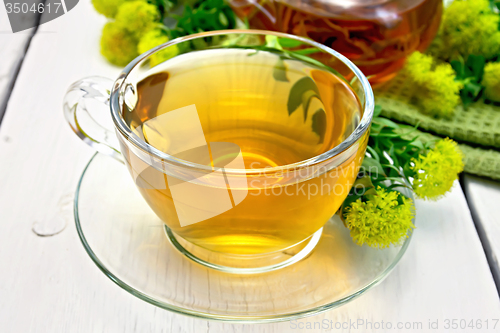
x=485 y=242
x=5 y=101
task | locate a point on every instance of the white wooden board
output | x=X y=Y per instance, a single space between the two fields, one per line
x=49 y=284
x=12 y=47
x=483 y=196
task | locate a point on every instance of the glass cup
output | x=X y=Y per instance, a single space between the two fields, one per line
x=219 y=209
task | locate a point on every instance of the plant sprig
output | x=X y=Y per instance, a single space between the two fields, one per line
x=388 y=159
x=376 y=211
x=470 y=73
x=203 y=16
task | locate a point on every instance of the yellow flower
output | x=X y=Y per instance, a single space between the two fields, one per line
x=438 y=92
x=436 y=172
x=117 y=44
x=418 y=66
x=381 y=220
x=491 y=81
x=152 y=39
x=107 y=8
x=470 y=27
x=137 y=17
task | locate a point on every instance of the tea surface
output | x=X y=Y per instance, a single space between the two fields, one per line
x=238 y=100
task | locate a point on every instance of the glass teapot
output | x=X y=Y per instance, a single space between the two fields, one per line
x=377 y=35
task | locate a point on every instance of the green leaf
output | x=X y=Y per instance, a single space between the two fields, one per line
x=473 y=88
x=494 y=4
x=369 y=164
x=199 y=44
x=363 y=182
x=458 y=67
x=350 y=199
x=476 y=64
x=371 y=191
x=199 y=16
x=395 y=186
x=418 y=144
x=372 y=152
x=298 y=89
x=470 y=75
x=307 y=51
x=279 y=71
x=385 y=122
x=288 y=42
x=470 y=92
x=223 y=19
x=375 y=129
x=319 y=124
x=385 y=135
x=377 y=111
x=306 y=101
x=393 y=168
x=305 y=58
x=407 y=170
x=397 y=180
x=272 y=42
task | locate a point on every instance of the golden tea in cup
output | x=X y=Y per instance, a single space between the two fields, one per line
x=240 y=144
x=238 y=100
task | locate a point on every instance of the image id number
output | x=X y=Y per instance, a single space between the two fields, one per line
x=470 y=324
x=40 y=8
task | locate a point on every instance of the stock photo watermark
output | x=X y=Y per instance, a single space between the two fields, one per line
x=363 y=325
x=26 y=14
x=218 y=179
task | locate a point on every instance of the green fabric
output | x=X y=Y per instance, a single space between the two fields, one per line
x=481 y=162
x=478 y=125
x=477 y=161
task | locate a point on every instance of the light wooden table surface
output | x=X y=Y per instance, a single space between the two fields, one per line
x=483 y=196
x=49 y=284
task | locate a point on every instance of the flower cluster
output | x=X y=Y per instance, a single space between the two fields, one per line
x=436 y=171
x=470 y=27
x=468 y=40
x=124 y=38
x=108 y=8
x=439 y=92
x=152 y=39
x=380 y=219
x=491 y=81
x=137 y=17
x=138 y=26
x=376 y=211
x=117 y=45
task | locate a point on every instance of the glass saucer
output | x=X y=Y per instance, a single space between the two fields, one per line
x=128 y=243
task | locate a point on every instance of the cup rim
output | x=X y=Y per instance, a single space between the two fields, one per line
x=124 y=129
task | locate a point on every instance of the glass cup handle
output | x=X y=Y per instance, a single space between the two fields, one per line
x=86 y=108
